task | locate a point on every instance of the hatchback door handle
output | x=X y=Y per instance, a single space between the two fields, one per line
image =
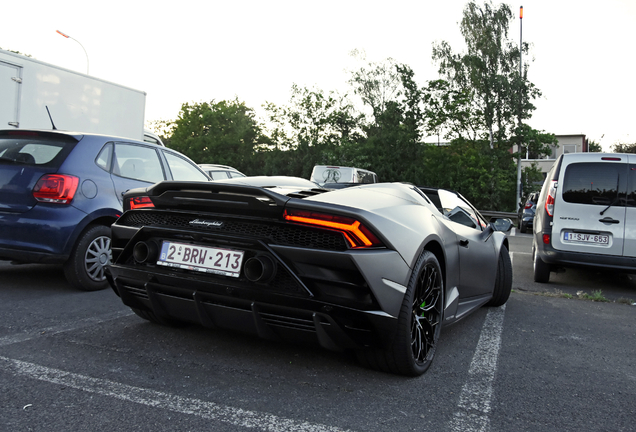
x=609 y=220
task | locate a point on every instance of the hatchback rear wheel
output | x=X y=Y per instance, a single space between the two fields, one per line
x=85 y=268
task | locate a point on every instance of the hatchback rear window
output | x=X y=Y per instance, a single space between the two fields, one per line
x=34 y=150
x=595 y=183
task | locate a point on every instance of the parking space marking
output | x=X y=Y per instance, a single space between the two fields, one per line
x=161 y=400
x=474 y=401
x=75 y=325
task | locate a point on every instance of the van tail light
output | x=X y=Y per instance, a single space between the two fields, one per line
x=546 y=239
x=549 y=202
x=357 y=235
x=56 y=188
x=137 y=203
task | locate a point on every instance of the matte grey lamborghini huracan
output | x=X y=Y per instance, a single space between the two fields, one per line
x=378 y=268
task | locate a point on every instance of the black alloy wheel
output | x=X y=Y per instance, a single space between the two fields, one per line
x=418 y=326
x=426 y=314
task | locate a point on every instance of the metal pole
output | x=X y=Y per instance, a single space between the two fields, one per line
x=520 y=102
x=68 y=37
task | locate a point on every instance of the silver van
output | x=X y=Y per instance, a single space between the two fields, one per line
x=586 y=214
x=332 y=176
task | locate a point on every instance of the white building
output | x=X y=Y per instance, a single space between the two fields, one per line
x=567 y=144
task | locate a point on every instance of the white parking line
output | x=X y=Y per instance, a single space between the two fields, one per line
x=74 y=325
x=161 y=400
x=474 y=401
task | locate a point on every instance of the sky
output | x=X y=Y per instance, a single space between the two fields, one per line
x=582 y=52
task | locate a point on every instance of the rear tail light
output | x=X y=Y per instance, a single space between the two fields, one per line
x=546 y=239
x=549 y=202
x=137 y=203
x=56 y=188
x=357 y=235
x=528 y=205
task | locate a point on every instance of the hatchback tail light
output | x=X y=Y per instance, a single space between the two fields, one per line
x=549 y=202
x=56 y=188
x=357 y=235
x=528 y=205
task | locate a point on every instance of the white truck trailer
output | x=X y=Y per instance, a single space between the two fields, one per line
x=76 y=102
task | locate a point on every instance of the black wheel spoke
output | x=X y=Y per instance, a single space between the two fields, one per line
x=427 y=312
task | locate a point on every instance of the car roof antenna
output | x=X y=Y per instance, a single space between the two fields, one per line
x=50 y=118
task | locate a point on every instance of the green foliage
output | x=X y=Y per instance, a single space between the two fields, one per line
x=531 y=180
x=538 y=144
x=312 y=128
x=222 y=132
x=624 y=148
x=478 y=104
x=593 y=146
x=485 y=80
x=485 y=176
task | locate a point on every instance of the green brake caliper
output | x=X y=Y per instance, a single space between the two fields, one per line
x=422 y=306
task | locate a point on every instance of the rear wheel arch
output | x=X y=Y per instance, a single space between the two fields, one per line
x=438 y=251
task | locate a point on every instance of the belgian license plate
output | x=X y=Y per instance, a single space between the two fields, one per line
x=601 y=239
x=201 y=258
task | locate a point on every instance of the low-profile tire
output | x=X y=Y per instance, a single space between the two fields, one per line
x=85 y=268
x=419 y=324
x=503 y=281
x=152 y=317
x=541 y=269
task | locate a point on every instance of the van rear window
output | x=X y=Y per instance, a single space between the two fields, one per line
x=595 y=183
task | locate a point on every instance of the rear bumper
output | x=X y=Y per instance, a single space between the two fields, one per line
x=40 y=235
x=272 y=316
x=556 y=257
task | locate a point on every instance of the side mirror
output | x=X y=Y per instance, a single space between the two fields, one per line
x=501 y=224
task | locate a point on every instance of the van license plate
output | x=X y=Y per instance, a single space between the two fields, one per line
x=201 y=258
x=600 y=239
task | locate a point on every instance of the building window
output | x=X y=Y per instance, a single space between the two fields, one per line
x=569 y=148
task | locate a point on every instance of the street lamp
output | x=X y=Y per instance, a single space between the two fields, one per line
x=68 y=37
x=519 y=188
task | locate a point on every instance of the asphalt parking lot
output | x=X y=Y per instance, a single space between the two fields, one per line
x=82 y=361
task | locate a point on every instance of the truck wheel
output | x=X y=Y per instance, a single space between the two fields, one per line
x=87 y=263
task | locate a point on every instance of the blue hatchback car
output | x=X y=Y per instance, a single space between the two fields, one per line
x=61 y=191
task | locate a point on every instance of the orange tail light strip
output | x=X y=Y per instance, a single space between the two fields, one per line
x=356 y=234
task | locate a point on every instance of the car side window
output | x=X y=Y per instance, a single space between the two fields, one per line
x=183 y=170
x=137 y=162
x=459 y=211
x=218 y=175
x=104 y=157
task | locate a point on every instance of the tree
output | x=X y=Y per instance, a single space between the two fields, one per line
x=484 y=175
x=312 y=128
x=223 y=132
x=494 y=97
x=376 y=83
x=594 y=147
x=624 y=148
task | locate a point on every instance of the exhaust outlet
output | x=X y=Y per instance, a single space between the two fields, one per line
x=260 y=268
x=145 y=252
